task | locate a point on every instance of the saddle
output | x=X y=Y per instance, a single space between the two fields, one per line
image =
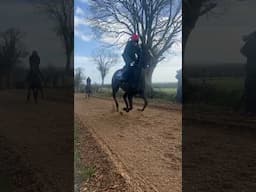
x=119 y=75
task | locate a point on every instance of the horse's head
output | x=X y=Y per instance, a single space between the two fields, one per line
x=145 y=58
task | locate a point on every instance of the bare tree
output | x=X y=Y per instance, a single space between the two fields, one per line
x=11 y=51
x=78 y=78
x=157 y=22
x=104 y=60
x=62 y=12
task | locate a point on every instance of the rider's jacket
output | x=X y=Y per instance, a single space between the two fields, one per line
x=34 y=62
x=131 y=53
x=88 y=81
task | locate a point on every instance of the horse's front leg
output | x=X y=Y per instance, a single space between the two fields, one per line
x=114 y=97
x=126 y=102
x=130 y=97
x=145 y=102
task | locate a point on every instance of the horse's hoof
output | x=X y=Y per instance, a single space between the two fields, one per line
x=126 y=110
x=141 y=110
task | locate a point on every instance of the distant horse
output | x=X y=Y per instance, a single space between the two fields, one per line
x=88 y=90
x=34 y=80
x=127 y=87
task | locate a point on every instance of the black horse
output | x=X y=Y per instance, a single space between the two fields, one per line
x=88 y=91
x=34 y=80
x=129 y=89
x=88 y=88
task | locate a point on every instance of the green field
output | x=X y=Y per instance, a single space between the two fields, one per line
x=221 y=91
x=162 y=92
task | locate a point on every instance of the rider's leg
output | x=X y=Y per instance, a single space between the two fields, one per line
x=125 y=75
x=132 y=80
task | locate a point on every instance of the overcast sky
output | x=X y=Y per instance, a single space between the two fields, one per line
x=38 y=29
x=85 y=44
x=218 y=37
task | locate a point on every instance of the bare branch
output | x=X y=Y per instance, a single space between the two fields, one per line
x=104 y=60
x=157 y=22
x=207 y=8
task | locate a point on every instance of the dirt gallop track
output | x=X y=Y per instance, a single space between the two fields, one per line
x=144 y=147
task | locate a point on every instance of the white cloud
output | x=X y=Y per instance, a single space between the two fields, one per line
x=84 y=1
x=80 y=21
x=82 y=60
x=165 y=71
x=83 y=36
x=79 y=11
x=110 y=39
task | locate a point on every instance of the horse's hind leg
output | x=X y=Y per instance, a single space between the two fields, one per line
x=130 y=97
x=145 y=102
x=126 y=102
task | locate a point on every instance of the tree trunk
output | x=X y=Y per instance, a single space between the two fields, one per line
x=68 y=61
x=190 y=15
x=148 y=81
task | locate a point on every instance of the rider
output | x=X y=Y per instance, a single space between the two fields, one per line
x=34 y=72
x=131 y=56
x=88 y=86
x=34 y=61
x=88 y=81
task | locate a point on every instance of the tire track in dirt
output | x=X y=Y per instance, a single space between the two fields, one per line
x=145 y=147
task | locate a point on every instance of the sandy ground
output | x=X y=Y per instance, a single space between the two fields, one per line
x=219 y=157
x=15 y=174
x=42 y=135
x=144 y=147
x=94 y=171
